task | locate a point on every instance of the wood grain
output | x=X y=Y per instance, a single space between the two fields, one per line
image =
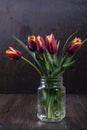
x=18 y=112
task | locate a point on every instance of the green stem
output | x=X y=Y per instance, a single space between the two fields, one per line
x=23 y=58
x=63 y=59
x=67 y=42
x=51 y=106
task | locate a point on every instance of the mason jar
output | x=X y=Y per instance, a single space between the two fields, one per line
x=51 y=99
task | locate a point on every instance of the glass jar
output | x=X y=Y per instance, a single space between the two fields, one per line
x=51 y=99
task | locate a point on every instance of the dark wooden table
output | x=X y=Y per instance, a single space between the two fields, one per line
x=18 y=112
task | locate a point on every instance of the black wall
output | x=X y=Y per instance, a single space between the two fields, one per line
x=26 y=17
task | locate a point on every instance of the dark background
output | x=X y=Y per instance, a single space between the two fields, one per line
x=25 y=17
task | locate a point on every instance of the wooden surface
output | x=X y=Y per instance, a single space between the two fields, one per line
x=18 y=112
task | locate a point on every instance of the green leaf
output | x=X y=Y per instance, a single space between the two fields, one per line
x=56 y=72
x=49 y=58
x=68 y=64
x=63 y=59
x=55 y=60
x=44 y=66
x=67 y=42
x=34 y=66
x=24 y=46
x=58 y=44
x=85 y=40
x=68 y=59
x=27 y=49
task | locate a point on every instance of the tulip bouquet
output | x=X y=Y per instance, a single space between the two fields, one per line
x=49 y=62
x=45 y=54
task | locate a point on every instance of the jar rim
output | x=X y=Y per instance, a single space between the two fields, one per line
x=49 y=78
x=53 y=79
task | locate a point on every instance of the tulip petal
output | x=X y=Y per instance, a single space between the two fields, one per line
x=74 y=45
x=40 y=44
x=32 y=43
x=13 y=53
x=51 y=44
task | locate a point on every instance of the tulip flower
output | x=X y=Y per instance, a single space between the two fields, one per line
x=74 y=45
x=13 y=53
x=51 y=44
x=32 y=43
x=40 y=44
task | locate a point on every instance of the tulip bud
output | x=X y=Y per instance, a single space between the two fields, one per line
x=40 y=44
x=13 y=53
x=74 y=45
x=51 y=44
x=32 y=43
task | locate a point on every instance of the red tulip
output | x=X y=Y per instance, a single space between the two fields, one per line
x=40 y=44
x=13 y=53
x=74 y=45
x=51 y=44
x=32 y=43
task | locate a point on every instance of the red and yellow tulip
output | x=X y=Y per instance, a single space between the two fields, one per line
x=74 y=45
x=40 y=44
x=47 y=63
x=13 y=53
x=51 y=44
x=32 y=43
